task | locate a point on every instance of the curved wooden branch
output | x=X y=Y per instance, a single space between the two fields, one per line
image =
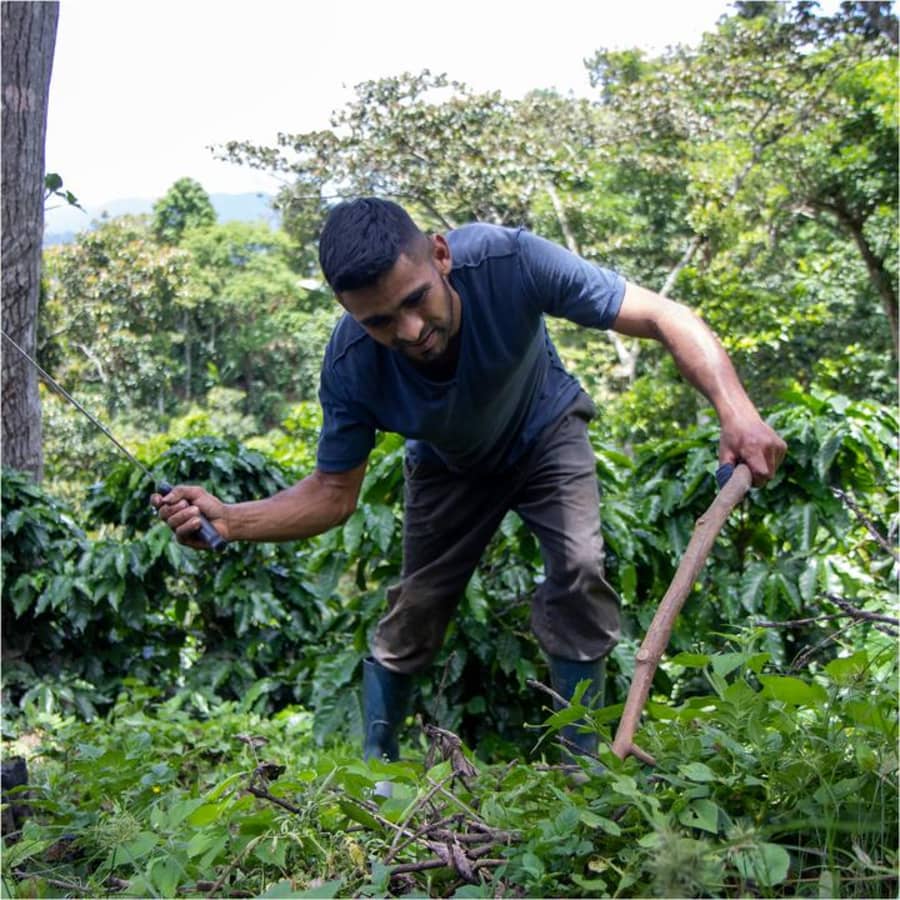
x=657 y=639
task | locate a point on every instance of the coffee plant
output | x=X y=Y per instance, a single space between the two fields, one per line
x=197 y=715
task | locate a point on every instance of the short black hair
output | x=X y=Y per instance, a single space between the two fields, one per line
x=362 y=239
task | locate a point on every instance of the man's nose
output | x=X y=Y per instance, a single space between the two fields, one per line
x=409 y=326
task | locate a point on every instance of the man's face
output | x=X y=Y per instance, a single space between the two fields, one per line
x=411 y=308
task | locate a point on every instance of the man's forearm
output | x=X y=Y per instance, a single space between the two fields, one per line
x=702 y=360
x=310 y=507
x=697 y=352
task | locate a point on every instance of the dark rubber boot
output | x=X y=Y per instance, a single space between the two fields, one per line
x=565 y=674
x=385 y=695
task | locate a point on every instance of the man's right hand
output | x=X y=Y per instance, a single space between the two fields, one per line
x=181 y=508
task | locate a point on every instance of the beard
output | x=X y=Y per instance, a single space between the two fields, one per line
x=435 y=338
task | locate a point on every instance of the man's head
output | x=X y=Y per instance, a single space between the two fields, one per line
x=362 y=239
x=391 y=277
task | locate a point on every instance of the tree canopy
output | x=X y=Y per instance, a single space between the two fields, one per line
x=185 y=205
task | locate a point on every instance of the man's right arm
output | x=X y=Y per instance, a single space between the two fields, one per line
x=319 y=502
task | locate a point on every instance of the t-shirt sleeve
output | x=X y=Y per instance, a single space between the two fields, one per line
x=567 y=286
x=348 y=433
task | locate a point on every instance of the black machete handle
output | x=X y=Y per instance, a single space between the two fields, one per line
x=723 y=473
x=213 y=539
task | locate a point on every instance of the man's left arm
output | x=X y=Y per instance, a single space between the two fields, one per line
x=700 y=357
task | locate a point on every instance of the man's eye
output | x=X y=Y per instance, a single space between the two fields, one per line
x=415 y=300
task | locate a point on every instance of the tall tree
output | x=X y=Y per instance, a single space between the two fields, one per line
x=780 y=115
x=185 y=205
x=451 y=154
x=28 y=41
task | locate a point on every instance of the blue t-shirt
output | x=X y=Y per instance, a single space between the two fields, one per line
x=509 y=382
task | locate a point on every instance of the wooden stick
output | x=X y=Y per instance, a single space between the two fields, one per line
x=657 y=639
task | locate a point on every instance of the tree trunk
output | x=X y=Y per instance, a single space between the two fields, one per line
x=854 y=225
x=879 y=276
x=188 y=355
x=28 y=39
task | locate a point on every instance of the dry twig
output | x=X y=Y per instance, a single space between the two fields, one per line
x=557 y=698
x=863 y=614
x=870 y=527
x=460 y=840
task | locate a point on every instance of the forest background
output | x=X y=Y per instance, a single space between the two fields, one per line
x=191 y=721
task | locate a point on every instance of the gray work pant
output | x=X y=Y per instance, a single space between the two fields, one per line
x=451 y=517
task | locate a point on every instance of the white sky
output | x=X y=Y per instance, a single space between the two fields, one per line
x=141 y=89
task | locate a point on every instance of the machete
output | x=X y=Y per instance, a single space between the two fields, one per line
x=213 y=539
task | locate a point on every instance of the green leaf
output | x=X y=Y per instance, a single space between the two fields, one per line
x=626 y=786
x=793 y=691
x=691 y=660
x=201 y=841
x=282 y=888
x=380 y=522
x=215 y=852
x=121 y=561
x=756 y=662
x=828 y=450
x=803 y=522
x=180 y=810
x=13 y=520
x=725 y=663
x=702 y=814
x=15 y=854
x=353 y=532
x=222 y=786
x=847 y=669
x=752 y=585
x=809 y=580
x=327 y=889
x=829 y=885
x=765 y=863
x=509 y=651
x=592 y=820
x=510 y=525
x=23 y=592
x=255 y=691
x=165 y=875
x=591 y=887
x=272 y=852
x=628 y=582
x=869 y=715
x=471 y=891
x=477 y=599
x=359 y=814
x=137 y=847
x=90 y=751
x=697 y=771
x=174 y=553
x=204 y=815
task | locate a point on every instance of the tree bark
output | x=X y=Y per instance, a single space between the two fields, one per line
x=28 y=32
x=878 y=275
x=836 y=215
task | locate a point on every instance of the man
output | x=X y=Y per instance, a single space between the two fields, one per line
x=443 y=341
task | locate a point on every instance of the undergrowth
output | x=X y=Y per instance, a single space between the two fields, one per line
x=767 y=784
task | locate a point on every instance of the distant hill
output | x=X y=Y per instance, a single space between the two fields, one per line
x=62 y=223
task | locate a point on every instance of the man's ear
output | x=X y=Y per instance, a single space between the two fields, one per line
x=440 y=253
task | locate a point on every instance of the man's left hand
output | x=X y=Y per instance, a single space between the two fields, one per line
x=752 y=442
